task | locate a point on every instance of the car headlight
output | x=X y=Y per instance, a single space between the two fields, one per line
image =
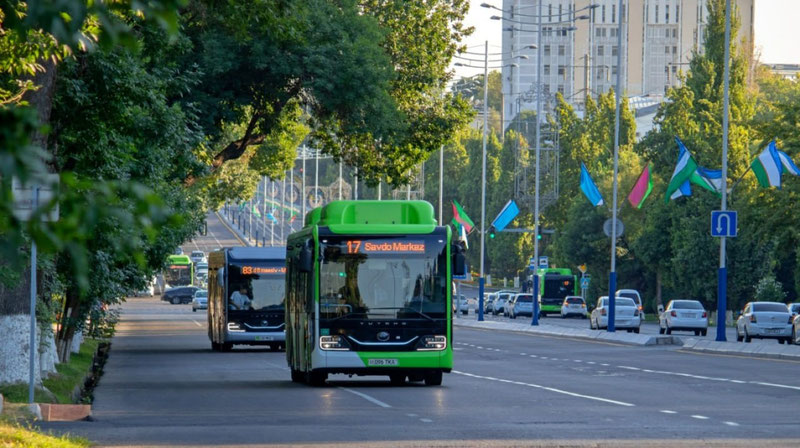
x=432 y=343
x=334 y=342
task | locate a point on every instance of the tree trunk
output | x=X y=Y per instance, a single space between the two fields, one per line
x=658 y=289
x=66 y=330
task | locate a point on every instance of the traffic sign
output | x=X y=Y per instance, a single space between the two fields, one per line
x=582 y=268
x=544 y=263
x=723 y=223
x=585 y=282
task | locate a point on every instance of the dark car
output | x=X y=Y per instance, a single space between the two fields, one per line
x=179 y=295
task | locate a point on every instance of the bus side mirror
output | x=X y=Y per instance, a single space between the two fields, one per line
x=459 y=260
x=306 y=262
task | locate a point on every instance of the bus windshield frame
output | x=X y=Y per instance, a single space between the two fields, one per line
x=396 y=277
x=263 y=283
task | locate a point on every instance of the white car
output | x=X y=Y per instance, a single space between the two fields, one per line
x=461 y=303
x=200 y=300
x=522 y=306
x=198 y=256
x=764 y=320
x=573 y=306
x=794 y=308
x=633 y=295
x=500 y=303
x=626 y=315
x=795 y=339
x=683 y=315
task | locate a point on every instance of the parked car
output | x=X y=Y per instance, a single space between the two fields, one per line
x=509 y=305
x=794 y=308
x=179 y=295
x=522 y=306
x=462 y=303
x=201 y=267
x=200 y=300
x=627 y=315
x=764 y=320
x=633 y=295
x=573 y=306
x=500 y=303
x=178 y=251
x=683 y=315
x=198 y=256
x=795 y=339
x=488 y=301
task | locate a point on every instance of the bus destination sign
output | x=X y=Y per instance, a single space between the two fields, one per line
x=385 y=247
x=250 y=270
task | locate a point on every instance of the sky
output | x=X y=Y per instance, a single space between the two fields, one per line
x=775 y=22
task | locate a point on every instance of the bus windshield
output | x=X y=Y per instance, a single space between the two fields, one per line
x=178 y=275
x=383 y=277
x=256 y=286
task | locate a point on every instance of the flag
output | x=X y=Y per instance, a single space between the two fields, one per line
x=272 y=217
x=589 y=188
x=461 y=234
x=256 y=212
x=642 y=188
x=788 y=165
x=507 y=214
x=292 y=217
x=768 y=167
x=460 y=216
x=686 y=172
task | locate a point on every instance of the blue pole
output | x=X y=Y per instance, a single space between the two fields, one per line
x=722 y=303
x=612 y=306
x=535 y=313
x=480 y=299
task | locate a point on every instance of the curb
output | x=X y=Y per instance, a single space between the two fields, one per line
x=575 y=333
x=752 y=350
x=239 y=235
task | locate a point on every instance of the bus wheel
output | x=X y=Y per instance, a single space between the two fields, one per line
x=297 y=376
x=397 y=379
x=214 y=346
x=226 y=346
x=433 y=378
x=316 y=379
x=415 y=377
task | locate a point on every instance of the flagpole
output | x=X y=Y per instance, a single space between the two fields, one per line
x=483 y=176
x=612 y=276
x=539 y=91
x=722 y=282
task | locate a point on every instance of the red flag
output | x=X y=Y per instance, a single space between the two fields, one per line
x=642 y=188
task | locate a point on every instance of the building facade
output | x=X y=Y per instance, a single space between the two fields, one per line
x=579 y=46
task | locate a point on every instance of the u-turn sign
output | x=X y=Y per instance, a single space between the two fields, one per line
x=723 y=223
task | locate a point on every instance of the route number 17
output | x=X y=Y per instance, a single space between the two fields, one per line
x=353 y=246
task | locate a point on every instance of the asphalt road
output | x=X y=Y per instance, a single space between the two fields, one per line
x=163 y=386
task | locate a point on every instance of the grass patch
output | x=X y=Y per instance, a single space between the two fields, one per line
x=61 y=384
x=14 y=435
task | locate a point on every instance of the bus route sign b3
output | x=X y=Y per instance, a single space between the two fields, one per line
x=723 y=223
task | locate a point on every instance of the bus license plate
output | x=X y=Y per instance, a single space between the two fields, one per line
x=382 y=362
x=264 y=338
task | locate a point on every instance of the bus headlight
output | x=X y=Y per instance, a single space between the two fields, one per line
x=334 y=342
x=429 y=343
x=234 y=327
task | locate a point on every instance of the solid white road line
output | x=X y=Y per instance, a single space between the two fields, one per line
x=196 y=323
x=700 y=417
x=372 y=400
x=667 y=411
x=731 y=423
x=551 y=389
x=783 y=386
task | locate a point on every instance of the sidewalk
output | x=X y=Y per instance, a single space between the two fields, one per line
x=768 y=349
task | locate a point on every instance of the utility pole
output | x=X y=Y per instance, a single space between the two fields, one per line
x=481 y=280
x=539 y=93
x=722 y=282
x=612 y=277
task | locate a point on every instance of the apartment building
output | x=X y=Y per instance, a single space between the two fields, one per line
x=579 y=46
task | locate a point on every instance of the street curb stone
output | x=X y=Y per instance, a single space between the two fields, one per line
x=760 y=349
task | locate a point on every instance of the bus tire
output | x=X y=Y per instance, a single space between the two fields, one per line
x=416 y=377
x=214 y=346
x=226 y=346
x=433 y=378
x=316 y=379
x=397 y=379
x=297 y=376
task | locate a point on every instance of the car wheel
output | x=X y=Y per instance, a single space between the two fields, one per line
x=636 y=330
x=780 y=341
x=739 y=337
x=793 y=338
x=194 y=310
x=175 y=301
x=433 y=378
x=704 y=332
x=697 y=332
x=747 y=337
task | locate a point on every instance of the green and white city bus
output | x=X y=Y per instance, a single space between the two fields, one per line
x=246 y=297
x=554 y=285
x=179 y=271
x=369 y=292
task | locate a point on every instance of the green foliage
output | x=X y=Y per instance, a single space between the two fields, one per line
x=769 y=290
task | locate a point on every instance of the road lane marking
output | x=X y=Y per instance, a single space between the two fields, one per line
x=700 y=417
x=731 y=423
x=604 y=364
x=523 y=354
x=372 y=400
x=551 y=389
x=667 y=411
x=196 y=323
x=709 y=378
x=411 y=415
x=426 y=420
x=590 y=362
x=783 y=386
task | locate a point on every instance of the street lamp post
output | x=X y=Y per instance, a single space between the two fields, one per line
x=483 y=176
x=612 y=276
x=535 y=312
x=722 y=281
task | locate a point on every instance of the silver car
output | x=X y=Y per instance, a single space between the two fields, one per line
x=626 y=315
x=573 y=306
x=794 y=308
x=500 y=303
x=764 y=320
x=522 y=306
x=795 y=339
x=200 y=300
x=684 y=315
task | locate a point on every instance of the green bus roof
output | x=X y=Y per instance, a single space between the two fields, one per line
x=374 y=216
x=179 y=259
x=560 y=271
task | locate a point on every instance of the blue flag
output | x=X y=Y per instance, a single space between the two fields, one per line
x=507 y=214
x=589 y=188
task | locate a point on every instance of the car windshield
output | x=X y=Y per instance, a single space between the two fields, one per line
x=687 y=305
x=624 y=301
x=795 y=307
x=770 y=307
x=256 y=285
x=201 y=294
x=525 y=298
x=575 y=301
x=631 y=295
x=384 y=277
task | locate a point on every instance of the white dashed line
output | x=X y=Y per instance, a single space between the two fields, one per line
x=667 y=411
x=576 y=360
x=426 y=420
x=551 y=389
x=731 y=423
x=411 y=415
x=590 y=362
x=523 y=354
x=534 y=356
x=700 y=417
x=783 y=386
x=604 y=365
x=366 y=397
